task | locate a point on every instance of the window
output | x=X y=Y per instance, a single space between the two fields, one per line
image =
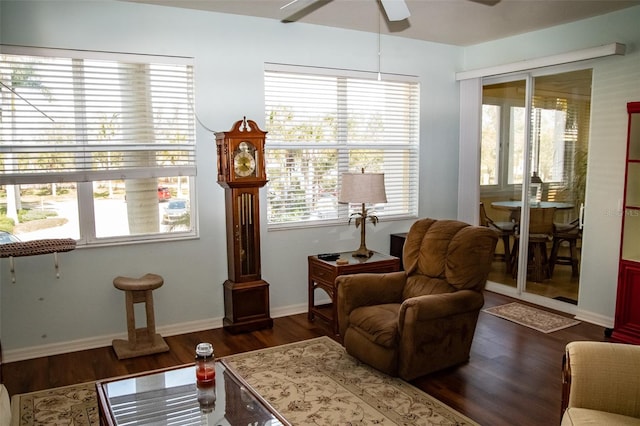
x=489 y=162
x=96 y=146
x=322 y=123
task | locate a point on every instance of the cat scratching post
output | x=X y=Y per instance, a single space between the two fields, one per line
x=145 y=340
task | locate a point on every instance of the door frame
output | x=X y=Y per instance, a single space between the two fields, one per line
x=469 y=163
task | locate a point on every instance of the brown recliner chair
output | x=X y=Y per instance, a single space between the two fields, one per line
x=413 y=322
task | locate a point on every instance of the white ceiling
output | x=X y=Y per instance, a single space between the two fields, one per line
x=456 y=22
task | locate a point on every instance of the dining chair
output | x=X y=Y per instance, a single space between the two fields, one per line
x=541 y=230
x=570 y=233
x=505 y=231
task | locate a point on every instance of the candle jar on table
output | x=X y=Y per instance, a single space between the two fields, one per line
x=205 y=365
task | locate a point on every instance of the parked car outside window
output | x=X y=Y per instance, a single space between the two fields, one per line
x=163 y=193
x=176 y=211
x=6 y=238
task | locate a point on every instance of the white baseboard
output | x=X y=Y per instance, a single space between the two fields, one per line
x=31 y=352
x=601 y=320
x=291 y=310
x=13 y=355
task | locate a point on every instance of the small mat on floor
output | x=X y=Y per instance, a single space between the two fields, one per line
x=531 y=317
x=315 y=382
x=68 y=405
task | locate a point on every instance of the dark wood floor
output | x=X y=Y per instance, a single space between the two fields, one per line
x=512 y=378
x=561 y=284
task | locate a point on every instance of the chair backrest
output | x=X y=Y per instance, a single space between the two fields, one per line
x=448 y=250
x=541 y=220
x=484 y=219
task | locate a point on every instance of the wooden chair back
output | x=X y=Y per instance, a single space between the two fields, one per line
x=541 y=220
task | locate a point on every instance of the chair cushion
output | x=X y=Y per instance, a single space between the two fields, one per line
x=450 y=250
x=420 y=285
x=434 y=247
x=378 y=323
x=469 y=257
x=503 y=226
x=583 y=416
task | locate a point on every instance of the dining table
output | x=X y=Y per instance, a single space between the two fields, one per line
x=514 y=206
x=540 y=267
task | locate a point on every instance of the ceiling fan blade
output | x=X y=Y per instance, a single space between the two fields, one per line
x=300 y=8
x=486 y=2
x=396 y=10
x=301 y=3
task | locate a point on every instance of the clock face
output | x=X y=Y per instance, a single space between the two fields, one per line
x=244 y=163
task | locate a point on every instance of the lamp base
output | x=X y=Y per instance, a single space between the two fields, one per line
x=362 y=252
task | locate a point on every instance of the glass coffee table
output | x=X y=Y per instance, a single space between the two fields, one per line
x=171 y=397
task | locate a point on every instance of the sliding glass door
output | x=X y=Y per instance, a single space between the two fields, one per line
x=532 y=179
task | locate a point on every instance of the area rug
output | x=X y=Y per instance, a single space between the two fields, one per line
x=68 y=405
x=531 y=317
x=315 y=382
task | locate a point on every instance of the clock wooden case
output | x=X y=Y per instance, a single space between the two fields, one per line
x=241 y=172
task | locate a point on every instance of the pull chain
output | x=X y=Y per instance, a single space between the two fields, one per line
x=379 y=52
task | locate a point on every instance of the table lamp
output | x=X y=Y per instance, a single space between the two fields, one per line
x=363 y=188
x=535 y=189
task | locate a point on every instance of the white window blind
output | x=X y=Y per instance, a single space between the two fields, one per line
x=322 y=123
x=70 y=116
x=96 y=146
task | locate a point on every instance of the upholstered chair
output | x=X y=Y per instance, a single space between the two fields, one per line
x=601 y=384
x=413 y=322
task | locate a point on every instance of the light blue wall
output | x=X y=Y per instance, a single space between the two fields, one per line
x=616 y=81
x=82 y=308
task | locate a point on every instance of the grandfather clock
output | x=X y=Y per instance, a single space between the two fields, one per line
x=241 y=172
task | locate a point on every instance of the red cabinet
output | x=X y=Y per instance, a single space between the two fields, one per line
x=627 y=321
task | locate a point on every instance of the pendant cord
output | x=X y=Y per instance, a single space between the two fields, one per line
x=379 y=52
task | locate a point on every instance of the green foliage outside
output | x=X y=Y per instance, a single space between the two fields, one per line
x=304 y=175
x=27 y=215
x=183 y=223
x=6 y=224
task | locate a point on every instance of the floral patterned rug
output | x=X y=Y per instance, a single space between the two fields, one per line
x=315 y=382
x=69 y=405
x=531 y=317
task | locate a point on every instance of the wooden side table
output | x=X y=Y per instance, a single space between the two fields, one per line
x=323 y=274
x=397 y=245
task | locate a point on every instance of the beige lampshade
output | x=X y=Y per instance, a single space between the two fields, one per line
x=362 y=188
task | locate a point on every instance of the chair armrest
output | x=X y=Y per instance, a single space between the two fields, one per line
x=432 y=306
x=5 y=407
x=436 y=331
x=366 y=289
x=602 y=376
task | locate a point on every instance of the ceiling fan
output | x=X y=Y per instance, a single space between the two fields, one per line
x=396 y=10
